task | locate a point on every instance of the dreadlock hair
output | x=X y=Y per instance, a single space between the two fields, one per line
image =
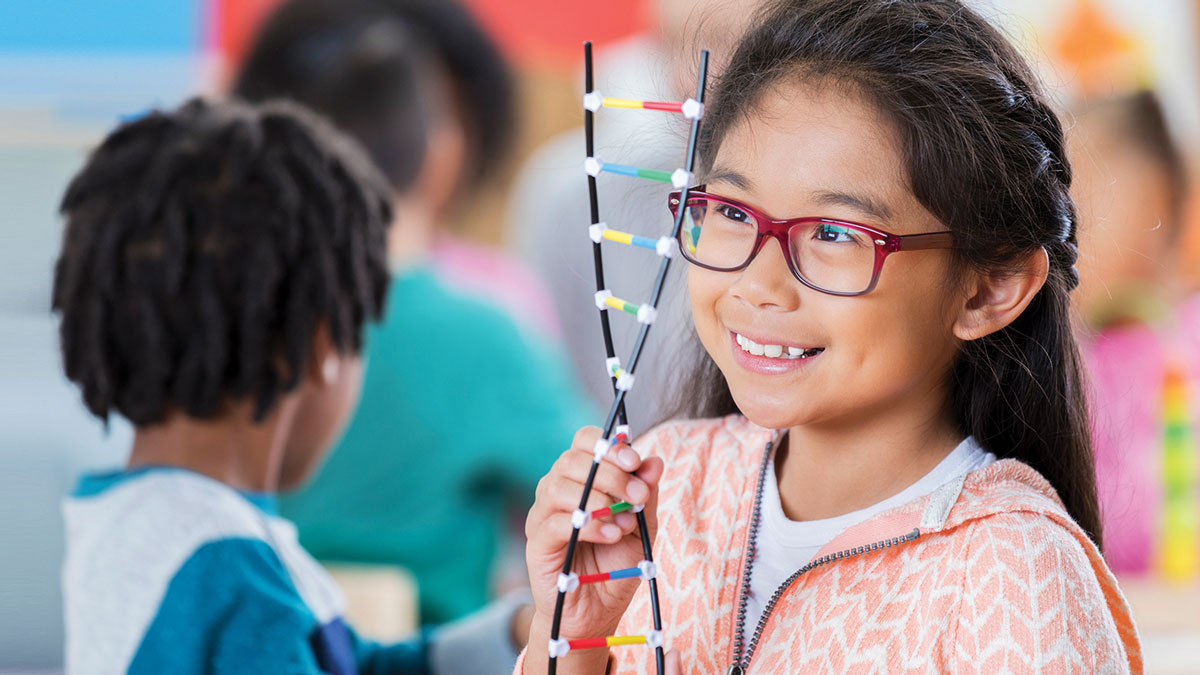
x=204 y=246
x=368 y=66
x=984 y=153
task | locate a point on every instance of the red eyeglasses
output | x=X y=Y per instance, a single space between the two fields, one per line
x=831 y=256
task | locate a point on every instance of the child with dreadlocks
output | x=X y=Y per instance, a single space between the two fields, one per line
x=218 y=266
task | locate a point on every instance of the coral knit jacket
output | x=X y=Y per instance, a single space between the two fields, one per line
x=991 y=576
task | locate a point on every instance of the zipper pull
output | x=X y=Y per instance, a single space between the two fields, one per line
x=735 y=669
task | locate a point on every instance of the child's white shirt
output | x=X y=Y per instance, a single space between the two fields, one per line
x=785 y=545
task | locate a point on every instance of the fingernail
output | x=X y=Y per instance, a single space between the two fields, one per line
x=610 y=531
x=625 y=520
x=628 y=458
x=636 y=491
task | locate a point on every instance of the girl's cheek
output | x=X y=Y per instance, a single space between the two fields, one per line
x=695 y=289
x=703 y=291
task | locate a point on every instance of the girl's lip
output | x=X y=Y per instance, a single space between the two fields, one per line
x=765 y=365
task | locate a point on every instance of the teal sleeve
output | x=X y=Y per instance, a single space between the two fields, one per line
x=230 y=609
x=402 y=658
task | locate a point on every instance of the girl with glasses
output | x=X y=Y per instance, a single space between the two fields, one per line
x=887 y=465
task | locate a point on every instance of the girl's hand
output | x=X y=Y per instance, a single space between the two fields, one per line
x=604 y=545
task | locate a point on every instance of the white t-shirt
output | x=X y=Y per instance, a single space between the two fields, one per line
x=785 y=546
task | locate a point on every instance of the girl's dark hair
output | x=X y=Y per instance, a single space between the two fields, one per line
x=368 y=64
x=984 y=153
x=202 y=249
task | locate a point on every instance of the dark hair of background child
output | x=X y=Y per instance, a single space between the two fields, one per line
x=203 y=248
x=1139 y=117
x=365 y=64
x=984 y=154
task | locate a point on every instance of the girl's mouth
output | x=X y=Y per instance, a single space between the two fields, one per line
x=785 y=352
x=770 y=359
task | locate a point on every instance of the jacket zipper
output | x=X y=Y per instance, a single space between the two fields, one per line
x=740 y=663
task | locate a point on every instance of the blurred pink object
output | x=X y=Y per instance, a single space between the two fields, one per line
x=1127 y=367
x=487 y=273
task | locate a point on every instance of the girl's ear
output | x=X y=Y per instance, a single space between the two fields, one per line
x=994 y=301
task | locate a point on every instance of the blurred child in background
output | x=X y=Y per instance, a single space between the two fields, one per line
x=218 y=268
x=467 y=400
x=1132 y=189
x=1141 y=330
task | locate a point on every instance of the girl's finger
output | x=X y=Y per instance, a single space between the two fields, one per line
x=610 y=478
x=626 y=521
x=555 y=532
x=563 y=494
x=625 y=457
x=585 y=438
x=622 y=455
x=673 y=666
x=559 y=494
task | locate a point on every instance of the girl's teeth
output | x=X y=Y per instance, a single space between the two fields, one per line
x=771 y=351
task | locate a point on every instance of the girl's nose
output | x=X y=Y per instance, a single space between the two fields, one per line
x=767 y=282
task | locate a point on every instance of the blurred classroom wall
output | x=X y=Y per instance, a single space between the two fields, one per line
x=68 y=71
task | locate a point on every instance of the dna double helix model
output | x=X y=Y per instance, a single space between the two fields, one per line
x=616 y=427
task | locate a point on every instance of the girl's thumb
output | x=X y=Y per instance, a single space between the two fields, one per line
x=672 y=664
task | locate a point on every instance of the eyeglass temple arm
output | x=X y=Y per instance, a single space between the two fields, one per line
x=919 y=242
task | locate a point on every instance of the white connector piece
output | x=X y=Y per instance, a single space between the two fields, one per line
x=600 y=449
x=625 y=381
x=568 y=582
x=580 y=519
x=647 y=314
x=559 y=648
x=649 y=571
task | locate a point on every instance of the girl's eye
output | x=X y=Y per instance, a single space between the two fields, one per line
x=733 y=213
x=835 y=234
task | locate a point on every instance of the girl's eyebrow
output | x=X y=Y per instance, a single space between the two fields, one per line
x=861 y=203
x=723 y=175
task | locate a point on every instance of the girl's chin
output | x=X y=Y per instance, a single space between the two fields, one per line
x=772 y=414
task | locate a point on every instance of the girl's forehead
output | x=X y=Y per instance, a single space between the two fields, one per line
x=800 y=143
x=833 y=127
